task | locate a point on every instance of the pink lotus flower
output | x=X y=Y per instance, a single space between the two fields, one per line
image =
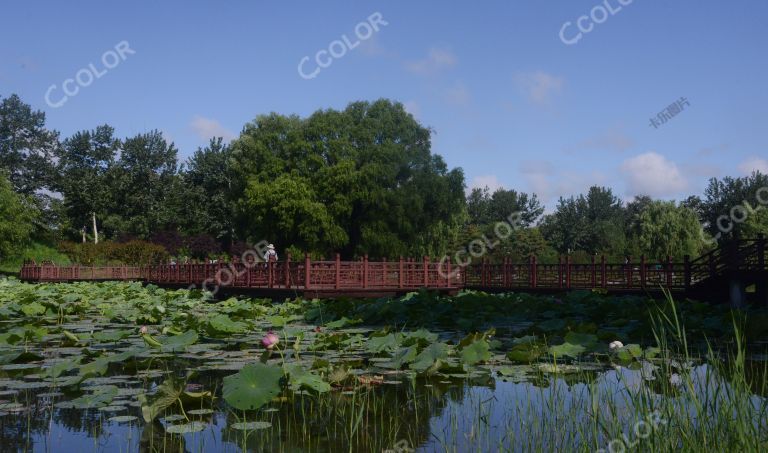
x=270 y=340
x=143 y=330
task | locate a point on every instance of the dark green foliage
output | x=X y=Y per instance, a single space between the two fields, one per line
x=361 y=180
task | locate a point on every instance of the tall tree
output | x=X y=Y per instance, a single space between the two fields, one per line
x=85 y=161
x=363 y=178
x=206 y=180
x=142 y=183
x=731 y=207
x=17 y=216
x=26 y=146
x=593 y=223
x=485 y=208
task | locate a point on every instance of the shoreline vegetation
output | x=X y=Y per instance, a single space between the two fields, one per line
x=146 y=368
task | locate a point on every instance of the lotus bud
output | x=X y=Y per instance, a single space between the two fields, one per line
x=143 y=330
x=614 y=345
x=270 y=340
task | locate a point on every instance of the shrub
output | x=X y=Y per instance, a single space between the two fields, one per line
x=133 y=253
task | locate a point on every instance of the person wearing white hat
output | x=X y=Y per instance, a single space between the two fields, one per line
x=271 y=254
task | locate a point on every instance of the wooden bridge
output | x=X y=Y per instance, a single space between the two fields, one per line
x=736 y=272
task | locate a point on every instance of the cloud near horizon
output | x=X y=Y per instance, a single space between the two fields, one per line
x=207 y=128
x=652 y=174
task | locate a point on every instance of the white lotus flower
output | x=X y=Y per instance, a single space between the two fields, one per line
x=615 y=345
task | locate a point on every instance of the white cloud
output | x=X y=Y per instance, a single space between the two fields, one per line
x=490 y=181
x=754 y=164
x=413 y=108
x=436 y=61
x=207 y=128
x=457 y=94
x=652 y=174
x=538 y=86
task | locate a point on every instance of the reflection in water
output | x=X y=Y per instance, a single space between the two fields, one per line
x=439 y=414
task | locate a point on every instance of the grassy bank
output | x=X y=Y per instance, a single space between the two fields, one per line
x=36 y=251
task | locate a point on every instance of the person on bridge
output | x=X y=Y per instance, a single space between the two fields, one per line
x=271 y=254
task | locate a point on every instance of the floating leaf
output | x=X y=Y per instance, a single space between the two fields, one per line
x=179 y=342
x=222 y=323
x=192 y=427
x=299 y=378
x=476 y=352
x=253 y=386
x=430 y=359
x=101 y=397
x=248 y=426
x=401 y=357
x=123 y=418
x=112 y=335
x=167 y=395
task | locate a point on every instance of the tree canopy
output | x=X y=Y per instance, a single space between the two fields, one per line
x=360 y=181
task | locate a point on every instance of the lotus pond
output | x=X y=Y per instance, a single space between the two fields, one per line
x=126 y=367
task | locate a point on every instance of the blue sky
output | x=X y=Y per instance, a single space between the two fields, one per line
x=508 y=99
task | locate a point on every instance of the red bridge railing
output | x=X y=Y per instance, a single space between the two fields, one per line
x=409 y=274
x=306 y=274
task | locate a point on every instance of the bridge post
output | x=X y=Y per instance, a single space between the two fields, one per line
x=365 y=271
x=400 y=272
x=603 y=272
x=669 y=271
x=643 y=270
x=505 y=266
x=307 y=269
x=287 y=270
x=594 y=271
x=338 y=271
x=687 y=265
x=560 y=272
x=426 y=271
x=482 y=272
x=568 y=271
x=532 y=272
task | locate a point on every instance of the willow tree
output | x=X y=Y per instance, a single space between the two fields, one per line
x=362 y=180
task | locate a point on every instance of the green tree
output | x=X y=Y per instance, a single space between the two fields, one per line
x=731 y=207
x=666 y=229
x=593 y=223
x=204 y=206
x=485 y=208
x=142 y=184
x=85 y=162
x=361 y=180
x=26 y=146
x=17 y=216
